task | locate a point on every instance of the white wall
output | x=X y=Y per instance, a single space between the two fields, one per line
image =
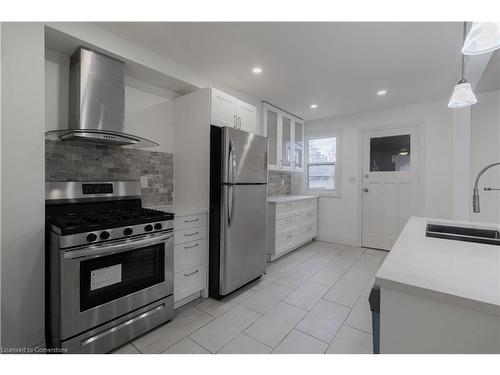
x=338 y=218
x=22 y=184
x=148 y=109
x=485 y=149
x=0 y=183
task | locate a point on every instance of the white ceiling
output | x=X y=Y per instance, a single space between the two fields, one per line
x=339 y=66
x=491 y=78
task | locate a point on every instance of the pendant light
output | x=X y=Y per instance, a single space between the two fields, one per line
x=483 y=37
x=462 y=93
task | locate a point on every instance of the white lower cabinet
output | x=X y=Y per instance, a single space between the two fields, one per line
x=290 y=224
x=190 y=259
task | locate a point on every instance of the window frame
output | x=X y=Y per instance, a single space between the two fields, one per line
x=311 y=135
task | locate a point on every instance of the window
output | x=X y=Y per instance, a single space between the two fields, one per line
x=321 y=164
x=390 y=153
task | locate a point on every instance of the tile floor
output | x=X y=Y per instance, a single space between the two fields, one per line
x=314 y=300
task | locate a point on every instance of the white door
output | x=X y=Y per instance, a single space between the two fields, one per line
x=390 y=184
x=247 y=117
x=224 y=109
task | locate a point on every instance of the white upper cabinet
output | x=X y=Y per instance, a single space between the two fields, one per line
x=229 y=111
x=298 y=145
x=286 y=139
x=270 y=121
x=247 y=117
x=224 y=108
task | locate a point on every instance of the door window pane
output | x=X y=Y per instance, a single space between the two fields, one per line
x=322 y=176
x=272 y=135
x=390 y=154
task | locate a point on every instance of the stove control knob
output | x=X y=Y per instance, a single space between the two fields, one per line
x=128 y=231
x=148 y=228
x=104 y=235
x=158 y=226
x=91 y=237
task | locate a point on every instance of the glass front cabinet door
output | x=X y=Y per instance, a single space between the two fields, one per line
x=286 y=139
x=271 y=123
x=298 y=145
x=286 y=142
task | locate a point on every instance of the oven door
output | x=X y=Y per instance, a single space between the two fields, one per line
x=103 y=282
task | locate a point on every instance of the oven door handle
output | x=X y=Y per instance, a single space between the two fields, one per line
x=99 y=250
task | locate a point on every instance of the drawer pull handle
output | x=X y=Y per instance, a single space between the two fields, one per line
x=190 y=247
x=309 y=214
x=309 y=228
x=191 y=234
x=192 y=221
x=290 y=235
x=191 y=273
x=288 y=220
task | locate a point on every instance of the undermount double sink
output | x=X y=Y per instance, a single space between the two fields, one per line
x=459 y=233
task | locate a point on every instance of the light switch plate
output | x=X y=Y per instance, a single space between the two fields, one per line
x=144 y=181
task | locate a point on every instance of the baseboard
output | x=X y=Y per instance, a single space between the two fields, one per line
x=337 y=240
x=271 y=258
x=188 y=299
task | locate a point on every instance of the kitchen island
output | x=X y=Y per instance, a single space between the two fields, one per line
x=439 y=295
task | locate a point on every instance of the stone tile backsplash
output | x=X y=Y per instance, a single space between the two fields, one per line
x=279 y=183
x=79 y=161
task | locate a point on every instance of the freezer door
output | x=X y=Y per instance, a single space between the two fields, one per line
x=243 y=234
x=244 y=157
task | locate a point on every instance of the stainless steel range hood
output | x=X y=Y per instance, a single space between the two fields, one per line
x=97 y=102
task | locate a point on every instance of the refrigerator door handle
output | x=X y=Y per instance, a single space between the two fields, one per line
x=230 y=204
x=231 y=163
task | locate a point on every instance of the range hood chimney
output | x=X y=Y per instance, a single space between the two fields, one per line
x=97 y=101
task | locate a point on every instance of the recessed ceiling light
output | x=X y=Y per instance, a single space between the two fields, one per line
x=381 y=92
x=314 y=106
x=257 y=70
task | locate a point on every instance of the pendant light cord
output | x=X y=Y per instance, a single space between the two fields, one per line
x=463 y=56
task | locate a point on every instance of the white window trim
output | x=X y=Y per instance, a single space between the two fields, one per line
x=336 y=193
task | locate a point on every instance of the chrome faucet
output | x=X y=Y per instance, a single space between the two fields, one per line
x=475 y=193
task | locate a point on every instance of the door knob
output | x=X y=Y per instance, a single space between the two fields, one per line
x=365 y=190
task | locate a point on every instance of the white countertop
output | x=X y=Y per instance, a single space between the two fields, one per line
x=288 y=198
x=461 y=273
x=181 y=211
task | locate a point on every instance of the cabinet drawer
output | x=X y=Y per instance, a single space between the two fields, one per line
x=308 y=217
x=288 y=209
x=189 y=255
x=286 y=225
x=188 y=235
x=308 y=232
x=189 y=282
x=285 y=241
x=192 y=221
x=309 y=204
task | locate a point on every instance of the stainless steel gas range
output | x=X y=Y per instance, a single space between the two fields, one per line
x=109 y=265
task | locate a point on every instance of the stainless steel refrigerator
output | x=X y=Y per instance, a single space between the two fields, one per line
x=238 y=202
